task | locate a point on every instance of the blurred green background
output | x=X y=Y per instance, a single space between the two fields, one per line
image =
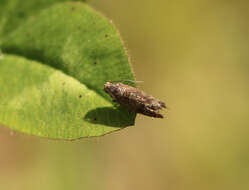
x=194 y=56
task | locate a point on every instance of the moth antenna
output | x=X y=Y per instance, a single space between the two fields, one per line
x=132 y=81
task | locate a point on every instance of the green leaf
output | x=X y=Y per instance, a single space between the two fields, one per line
x=52 y=74
x=14 y=12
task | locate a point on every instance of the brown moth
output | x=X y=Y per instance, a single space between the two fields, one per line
x=134 y=99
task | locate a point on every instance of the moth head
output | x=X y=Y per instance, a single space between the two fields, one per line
x=110 y=89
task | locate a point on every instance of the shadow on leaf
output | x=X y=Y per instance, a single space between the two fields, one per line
x=110 y=116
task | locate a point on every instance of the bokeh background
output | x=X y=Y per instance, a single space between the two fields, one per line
x=192 y=54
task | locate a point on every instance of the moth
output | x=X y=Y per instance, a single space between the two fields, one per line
x=134 y=99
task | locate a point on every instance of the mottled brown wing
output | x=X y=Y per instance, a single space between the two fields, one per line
x=135 y=100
